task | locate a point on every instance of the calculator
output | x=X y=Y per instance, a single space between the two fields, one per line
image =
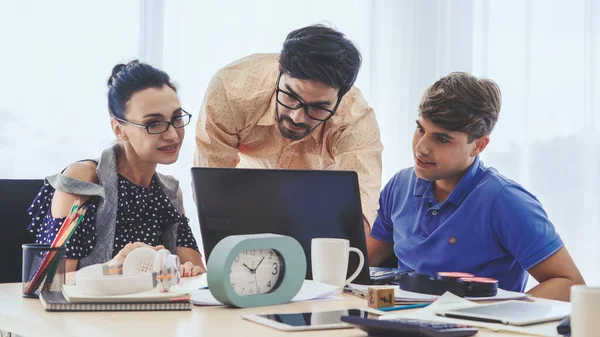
x=409 y=327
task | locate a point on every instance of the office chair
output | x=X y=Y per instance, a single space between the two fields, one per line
x=15 y=198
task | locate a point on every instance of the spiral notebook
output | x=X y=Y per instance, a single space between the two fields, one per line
x=55 y=301
x=73 y=295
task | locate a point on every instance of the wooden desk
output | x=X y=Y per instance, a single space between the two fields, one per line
x=26 y=317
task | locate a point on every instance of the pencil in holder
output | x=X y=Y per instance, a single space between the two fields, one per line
x=43 y=269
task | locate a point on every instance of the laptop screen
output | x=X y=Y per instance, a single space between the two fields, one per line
x=301 y=204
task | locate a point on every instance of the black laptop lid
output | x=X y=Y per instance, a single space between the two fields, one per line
x=301 y=204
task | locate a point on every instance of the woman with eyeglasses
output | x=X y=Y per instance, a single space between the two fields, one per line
x=129 y=204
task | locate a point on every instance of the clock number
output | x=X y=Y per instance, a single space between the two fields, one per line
x=270 y=255
x=257 y=289
x=274 y=269
x=243 y=290
x=237 y=259
x=253 y=252
x=250 y=291
x=269 y=284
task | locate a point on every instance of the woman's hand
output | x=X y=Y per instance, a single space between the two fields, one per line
x=120 y=257
x=189 y=269
x=192 y=262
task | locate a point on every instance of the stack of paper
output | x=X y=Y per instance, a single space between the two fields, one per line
x=408 y=296
x=311 y=290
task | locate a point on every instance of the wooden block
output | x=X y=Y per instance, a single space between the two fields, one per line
x=381 y=297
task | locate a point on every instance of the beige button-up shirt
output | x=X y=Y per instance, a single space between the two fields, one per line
x=237 y=128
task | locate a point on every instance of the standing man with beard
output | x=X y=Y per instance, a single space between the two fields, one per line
x=294 y=110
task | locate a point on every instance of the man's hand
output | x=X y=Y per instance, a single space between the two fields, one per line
x=378 y=251
x=556 y=275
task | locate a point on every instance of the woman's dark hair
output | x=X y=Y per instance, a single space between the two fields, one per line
x=462 y=102
x=127 y=79
x=323 y=54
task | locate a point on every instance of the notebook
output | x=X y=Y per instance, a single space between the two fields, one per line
x=73 y=295
x=55 y=301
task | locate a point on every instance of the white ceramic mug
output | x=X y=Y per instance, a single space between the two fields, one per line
x=329 y=260
x=585 y=310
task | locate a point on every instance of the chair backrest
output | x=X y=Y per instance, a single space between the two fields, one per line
x=15 y=198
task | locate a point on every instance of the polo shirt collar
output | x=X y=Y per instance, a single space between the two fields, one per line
x=459 y=193
x=421 y=187
x=462 y=189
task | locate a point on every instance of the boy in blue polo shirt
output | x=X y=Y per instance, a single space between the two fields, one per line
x=451 y=213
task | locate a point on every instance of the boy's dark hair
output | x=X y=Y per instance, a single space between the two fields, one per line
x=463 y=102
x=127 y=79
x=323 y=54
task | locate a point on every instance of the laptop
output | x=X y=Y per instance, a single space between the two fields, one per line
x=302 y=204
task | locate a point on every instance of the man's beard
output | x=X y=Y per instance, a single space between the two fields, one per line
x=293 y=135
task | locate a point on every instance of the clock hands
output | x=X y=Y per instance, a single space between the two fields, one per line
x=250 y=269
x=261 y=260
x=253 y=270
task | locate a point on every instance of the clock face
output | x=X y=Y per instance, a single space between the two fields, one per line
x=256 y=271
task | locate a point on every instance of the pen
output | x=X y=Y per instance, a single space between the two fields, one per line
x=406 y=306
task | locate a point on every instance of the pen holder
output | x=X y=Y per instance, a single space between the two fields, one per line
x=43 y=269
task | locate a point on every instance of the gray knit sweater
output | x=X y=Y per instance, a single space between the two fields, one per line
x=106 y=217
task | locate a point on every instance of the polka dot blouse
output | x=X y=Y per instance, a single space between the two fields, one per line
x=141 y=216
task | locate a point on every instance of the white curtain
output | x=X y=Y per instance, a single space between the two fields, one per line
x=56 y=57
x=544 y=55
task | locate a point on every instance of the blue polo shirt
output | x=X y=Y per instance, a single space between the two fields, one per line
x=489 y=226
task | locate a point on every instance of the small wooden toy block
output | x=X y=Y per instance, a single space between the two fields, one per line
x=381 y=297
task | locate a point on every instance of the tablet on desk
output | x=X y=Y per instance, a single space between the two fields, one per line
x=311 y=320
x=511 y=312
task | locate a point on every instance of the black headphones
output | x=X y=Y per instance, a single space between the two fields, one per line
x=460 y=284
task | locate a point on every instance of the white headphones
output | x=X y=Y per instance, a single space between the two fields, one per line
x=144 y=269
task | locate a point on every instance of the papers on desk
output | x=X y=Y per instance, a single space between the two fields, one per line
x=191 y=283
x=449 y=301
x=408 y=296
x=311 y=290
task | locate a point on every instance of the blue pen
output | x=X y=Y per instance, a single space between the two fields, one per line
x=406 y=306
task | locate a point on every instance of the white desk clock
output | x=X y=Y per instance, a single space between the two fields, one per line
x=256 y=269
